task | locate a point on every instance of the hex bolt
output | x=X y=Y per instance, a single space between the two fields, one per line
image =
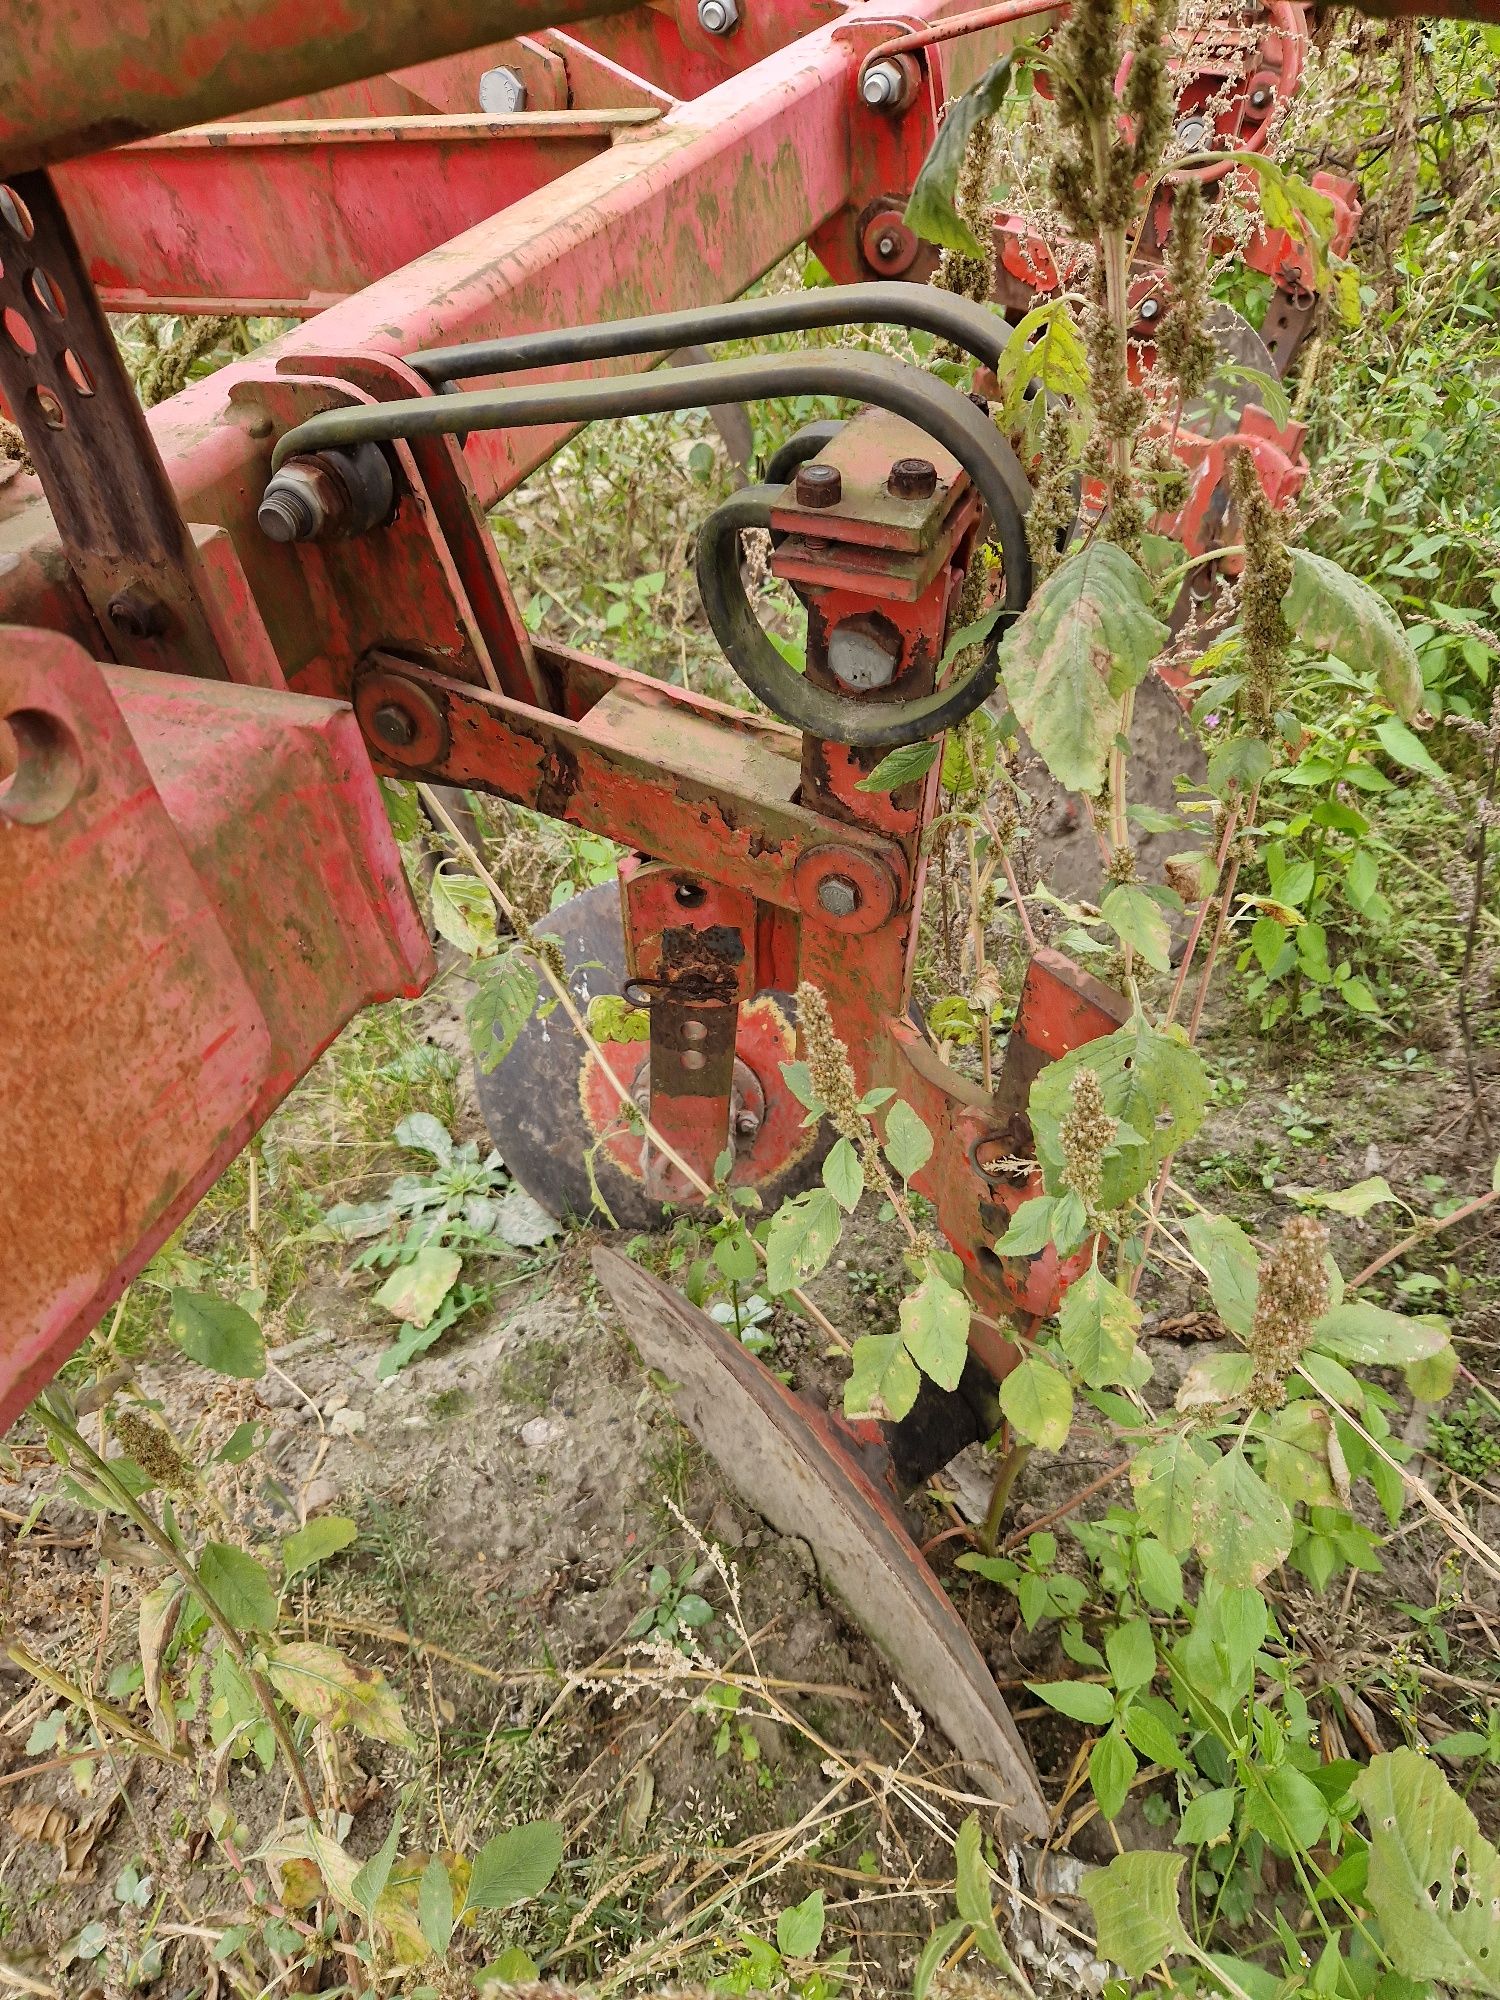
x=1150 y=309
x=501 y=92
x=883 y=86
x=718 y=17
x=137 y=614
x=1260 y=98
x=294 y=507
x=819 y=485
x=913 y=478
x=838 y=896
x=887 y=246
x=394 y=725
x=1192 y=132
x=747 y=1124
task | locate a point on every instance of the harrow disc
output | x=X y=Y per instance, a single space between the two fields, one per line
x=551 y=1110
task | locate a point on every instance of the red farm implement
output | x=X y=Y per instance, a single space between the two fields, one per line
x=223 y=621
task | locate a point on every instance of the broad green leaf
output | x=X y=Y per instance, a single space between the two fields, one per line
x=1207 y=1821
x=1329 y=609
x=1243 y=761
x=435 y=1907
x=1131 y=1652
x=1081 y=1701
x=500 y=1007
x=932 y=211
x=464 y=913
x=883 y=1379
x=515 y=1866
x=318 y=1681
x=1356 y=1201
x=1039 y=1403
x=1287 y=1809
x=908 y=1143
x=1228 y=1256
x=1137 y=919
x=1433 y=1376
x=1086 y=638
x=799 y=1930
x=1112 y=1766
x=368 y=1886
x=1044 y=348
x=1030 y=1229
x=1242 y=1530
x=1160 y=1574
x=935 y=1327
x=1097 y=1328
x=1403 y=746
x=513 y=1967
x=843 y=1176
x=1374 y=1337
x=1136 y=1919
x=240 y=1587
x=413 y=1292
x=1164 y=1479
x=971 y=1887
x=420 y=1132
x=901 y=766
x=1434 y=1880
x=1153 y=1083
x=218 y=1335
x=1214 y=1380
x=803 y=1235
x=322 y=1537
x=1152 y=1738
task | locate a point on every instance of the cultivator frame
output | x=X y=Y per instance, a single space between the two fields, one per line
x=224 y=619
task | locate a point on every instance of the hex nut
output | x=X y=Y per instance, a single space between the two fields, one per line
x=913 y=478
x=884 y=86
x=718 y=17
x=818 y=485
x=838 y=896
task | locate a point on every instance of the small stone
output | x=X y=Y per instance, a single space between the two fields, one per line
x=346 y=1422
x=724 y=1527
x=539 y=1431
x=322 y=1493
x=752 y=1540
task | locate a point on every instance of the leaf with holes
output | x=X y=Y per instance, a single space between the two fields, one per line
x=1154 y=1084
x=1336 y=612
x=1136 y=1918
x=1434 y=1880
x=1044 y=347
x=1164 y=1479
x=503 y=1003
x=464 y=913
x=935 y=1328
x=1087 y=638
x=932 y=210
x=803 y=1236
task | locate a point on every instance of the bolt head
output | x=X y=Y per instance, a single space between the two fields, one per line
x=718 y=17
x=502 y=92
x=913 y=478
x=1150 y=309
x=818 y=485
x=393 y=725
x=882 y=86
x=861 y=659
x=747 y=1125
x=137 y=614
x=1259 y=99
x=838 y=896
x=1192 y=132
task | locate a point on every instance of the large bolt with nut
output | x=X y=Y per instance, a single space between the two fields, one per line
x=394 y=725
x=328 y=494
x=718 y=17
x=502 y=92
x=838 y=896
x=885 y=86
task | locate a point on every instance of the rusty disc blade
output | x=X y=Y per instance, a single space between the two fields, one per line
x=788 y=1462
